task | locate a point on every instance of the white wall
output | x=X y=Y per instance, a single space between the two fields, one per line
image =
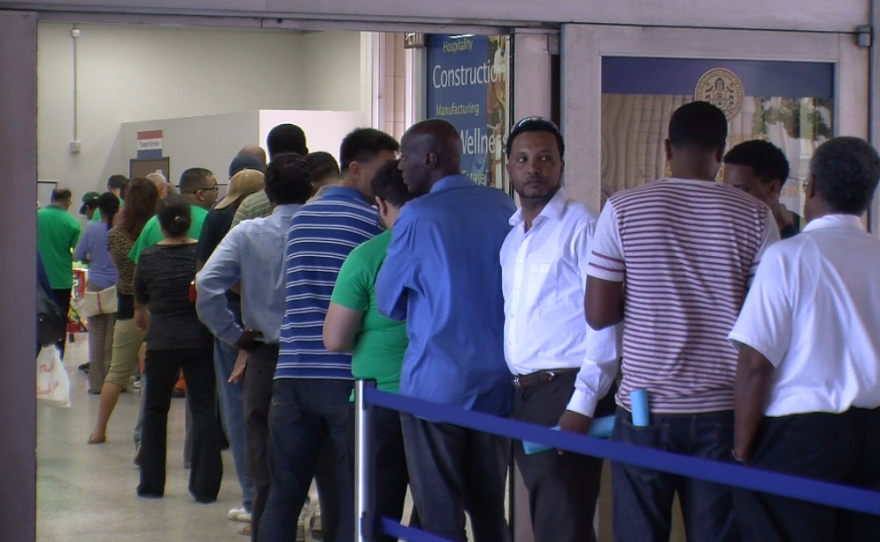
x=324 y=129
x=210 y=141
x=130 y=73
x=331 y=72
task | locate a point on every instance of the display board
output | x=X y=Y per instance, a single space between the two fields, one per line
x=468 y=85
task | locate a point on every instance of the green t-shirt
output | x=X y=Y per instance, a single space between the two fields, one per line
x=152 y=234
x=57 y=235
x=380 y=342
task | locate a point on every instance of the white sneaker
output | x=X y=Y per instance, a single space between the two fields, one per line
x=240 y=514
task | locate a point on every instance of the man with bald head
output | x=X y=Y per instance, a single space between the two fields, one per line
x=254 y=150
x=442 y=276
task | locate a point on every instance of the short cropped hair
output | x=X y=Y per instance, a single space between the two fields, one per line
x=61 y=194
x=388 y=185
x=193 y=179
x=117 y=182
x=322 y=165
x=363 y=145
x=845 y=173
x=767 y=161
x=288 y=180
x=286 y=138
x=698 y=124
x=535 y=124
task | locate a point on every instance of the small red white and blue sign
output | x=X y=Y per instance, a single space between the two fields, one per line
x=149 y=145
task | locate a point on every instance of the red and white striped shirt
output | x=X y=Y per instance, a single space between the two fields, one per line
x=686 y=251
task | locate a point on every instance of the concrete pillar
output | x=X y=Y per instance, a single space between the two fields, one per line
x=532 y=85
x=582 y=113
x=18 y=155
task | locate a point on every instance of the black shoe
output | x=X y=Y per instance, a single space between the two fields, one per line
x=84 y=368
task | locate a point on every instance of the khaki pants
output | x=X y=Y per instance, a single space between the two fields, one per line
x=126 y=342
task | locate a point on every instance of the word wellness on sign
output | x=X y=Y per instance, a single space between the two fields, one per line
x=465 y=76
x=477 y=141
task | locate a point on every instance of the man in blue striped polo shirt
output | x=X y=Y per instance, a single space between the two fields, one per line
x=312 y=387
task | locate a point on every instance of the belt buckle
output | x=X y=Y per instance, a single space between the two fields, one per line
x=516 y=383
x=550 y=375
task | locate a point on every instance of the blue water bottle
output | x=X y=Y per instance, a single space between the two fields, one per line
x=641 y=416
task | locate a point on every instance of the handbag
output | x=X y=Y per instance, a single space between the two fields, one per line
x=95 y=303
x=51 y=320
x=53 y=384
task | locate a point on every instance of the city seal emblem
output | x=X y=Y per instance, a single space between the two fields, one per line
x=723 y=89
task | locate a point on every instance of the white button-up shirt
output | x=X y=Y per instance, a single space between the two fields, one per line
x=814 y=312
x=544 y=272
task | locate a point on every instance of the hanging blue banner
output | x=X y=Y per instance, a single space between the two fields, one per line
x=467 y=86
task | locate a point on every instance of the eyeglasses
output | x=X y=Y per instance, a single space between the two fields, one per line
x=215 y=188
x=529 y=120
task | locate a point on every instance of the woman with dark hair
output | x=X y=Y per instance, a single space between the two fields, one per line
x=92 y=247
x=176 y=340
x=141 y=200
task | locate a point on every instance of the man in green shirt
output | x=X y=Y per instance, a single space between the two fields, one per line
x=115 y=184
x=199 y=188
x=57 y=235
x=377 y=343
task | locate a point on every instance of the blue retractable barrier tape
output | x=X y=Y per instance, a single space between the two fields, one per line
x=850 y=498
x=409 y=534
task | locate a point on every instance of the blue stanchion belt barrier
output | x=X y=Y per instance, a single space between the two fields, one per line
x=850 y=498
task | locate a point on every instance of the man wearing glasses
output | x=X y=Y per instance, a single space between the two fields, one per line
x=199 y=188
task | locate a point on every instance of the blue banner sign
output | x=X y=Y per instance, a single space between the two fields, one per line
x=467 y=86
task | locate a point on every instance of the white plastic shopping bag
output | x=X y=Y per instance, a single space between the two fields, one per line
x=53 y=386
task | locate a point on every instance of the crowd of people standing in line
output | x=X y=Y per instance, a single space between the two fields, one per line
x=392 y=266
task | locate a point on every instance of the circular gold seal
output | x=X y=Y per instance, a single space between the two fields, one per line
x=723 y=89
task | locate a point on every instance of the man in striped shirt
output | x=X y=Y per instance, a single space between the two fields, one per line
x=686 y=248
x=310 y=400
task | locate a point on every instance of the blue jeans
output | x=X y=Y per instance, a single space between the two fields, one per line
x=309 y=418
x=232 y=414
x=642 y=498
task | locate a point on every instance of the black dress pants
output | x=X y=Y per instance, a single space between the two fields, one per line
x=258 y=378
x=161 y=369
x=839 y=448
x=563 y=489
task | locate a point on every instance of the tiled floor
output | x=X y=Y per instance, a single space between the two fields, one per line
x=87 y=493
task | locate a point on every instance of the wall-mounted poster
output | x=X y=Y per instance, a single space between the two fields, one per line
x=468 y=86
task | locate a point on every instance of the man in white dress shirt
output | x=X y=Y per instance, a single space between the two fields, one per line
x=808 y=376
x=544 y=269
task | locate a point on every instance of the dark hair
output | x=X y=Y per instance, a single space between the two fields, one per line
x=61 y=194
x=388 y=185
x=286 y=138
x=108 y=204
x=535 y=124
x=174 y=215
x=322 y=165
x=117 y=182
x=288 y=180
x=141 y=200
x=845 y=173
x=767 y=161
x=193 y=179
x=698 y=124
x=363 y=144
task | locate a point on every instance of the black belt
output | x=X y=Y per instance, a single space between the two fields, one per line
x=522 y=382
